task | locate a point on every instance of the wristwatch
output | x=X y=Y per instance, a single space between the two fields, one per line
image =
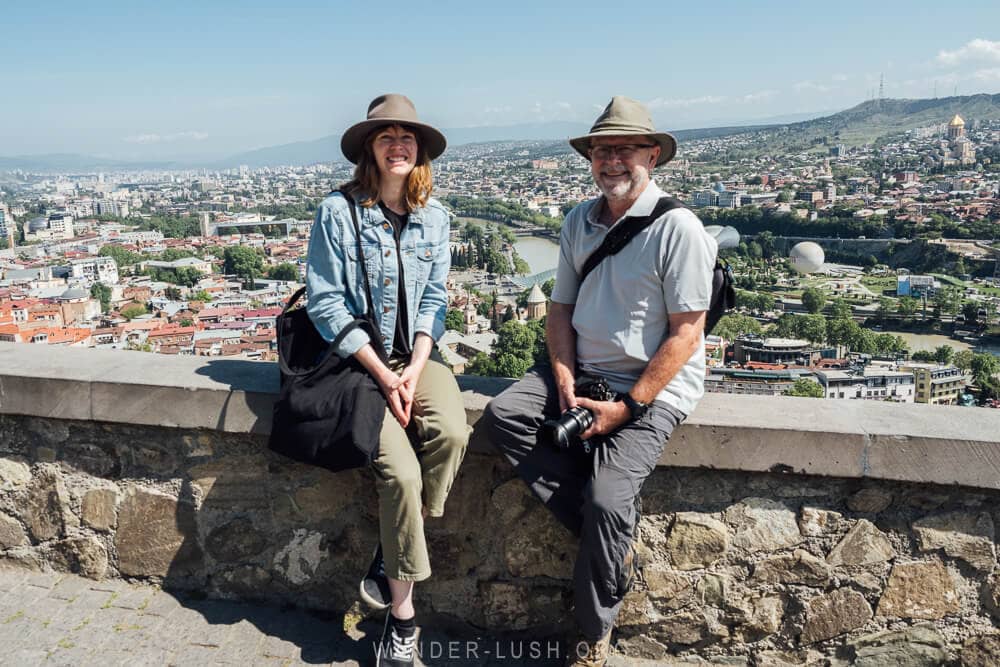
x=637 y=408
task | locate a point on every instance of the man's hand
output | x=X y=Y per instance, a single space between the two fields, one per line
x=609 y=416
x=567 y=396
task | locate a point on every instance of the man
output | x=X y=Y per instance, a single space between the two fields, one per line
x=636 y=320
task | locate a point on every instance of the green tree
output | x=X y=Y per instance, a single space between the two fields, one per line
x=984 y=366
x=734 y=325
x=454 y=319
x=122 y=256
x=864 y=341
x=841 y=331
x=907 y=306
x=970 y=311
x=244 y=262
x=812 y=328
x=813 y=299
x=187 y=322
x=885 y=308
x=768 y=246
x=806 y=388
x=947 y=301
x=133 y=311
x=840 y=309
x=943 y=354
x=963 y=359
x=285 y=271
x=102 y=293
x=172 y=293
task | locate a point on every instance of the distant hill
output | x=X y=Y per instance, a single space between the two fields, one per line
x=861 y=124
x=877 y=118
x=72 y=162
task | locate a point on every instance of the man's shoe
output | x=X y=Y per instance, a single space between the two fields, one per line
x=585 y=653
x=396 y=648
x=375 y=585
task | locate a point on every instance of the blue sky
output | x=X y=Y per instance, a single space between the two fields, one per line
x=155 y=80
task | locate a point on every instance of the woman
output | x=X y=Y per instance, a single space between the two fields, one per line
x=404 y=246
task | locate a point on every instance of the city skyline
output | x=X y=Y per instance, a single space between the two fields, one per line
x=189 y=81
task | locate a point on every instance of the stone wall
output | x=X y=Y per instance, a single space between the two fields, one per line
x=762 y=568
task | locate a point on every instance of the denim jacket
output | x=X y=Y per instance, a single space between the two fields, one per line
x=335 y=284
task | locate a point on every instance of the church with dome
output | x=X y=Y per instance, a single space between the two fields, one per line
x=956 y=150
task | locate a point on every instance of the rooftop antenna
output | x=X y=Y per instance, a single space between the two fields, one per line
x=881 y=87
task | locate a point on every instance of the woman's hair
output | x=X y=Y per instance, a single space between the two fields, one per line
x=365 y=184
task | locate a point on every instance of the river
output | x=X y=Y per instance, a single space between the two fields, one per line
x=541 y=254
x=930 y=342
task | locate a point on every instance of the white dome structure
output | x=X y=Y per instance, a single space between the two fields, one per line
x=806 y=257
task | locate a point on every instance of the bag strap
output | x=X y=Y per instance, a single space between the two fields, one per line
x=625 y=231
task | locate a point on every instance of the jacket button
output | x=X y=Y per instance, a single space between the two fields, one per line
x=385 y=226
x=388 y=252
x=386 y=309
x=387 y=282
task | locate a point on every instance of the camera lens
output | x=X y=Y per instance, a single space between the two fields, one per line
x=563 y=431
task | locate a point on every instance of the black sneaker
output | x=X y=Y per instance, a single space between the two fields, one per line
x=375 y=585
x=397 y=646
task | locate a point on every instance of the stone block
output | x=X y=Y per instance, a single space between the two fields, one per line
x=509 y=606
x=687 y=628
x=828 y=616
x=871 y=500
x=670 y=590
x=815 y=522
x=981 y=651
x=236 y=541
x=919 y=590
x=917 y=646
x=11 y=532
x=799 y=567
x=47 y=510
x=696 y=541
x=713 y=589
x=98 y=508
x=964 y=535
x=763 y=525
x=85 y=556
x=864 y=544
x=14 y=474
x=539 y=546
x=156 y=534
x=990 y=595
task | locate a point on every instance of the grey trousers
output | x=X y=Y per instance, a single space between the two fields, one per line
x=594 y=496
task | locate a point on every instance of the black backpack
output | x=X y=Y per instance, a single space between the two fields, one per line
x=723 y=289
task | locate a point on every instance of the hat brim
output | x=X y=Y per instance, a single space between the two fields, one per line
x=352 y=143
x=665 y=140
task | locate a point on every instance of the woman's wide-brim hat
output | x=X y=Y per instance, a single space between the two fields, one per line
x=624 y=117
x=391 y=109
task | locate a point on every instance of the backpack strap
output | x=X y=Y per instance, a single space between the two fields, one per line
x=625 y=231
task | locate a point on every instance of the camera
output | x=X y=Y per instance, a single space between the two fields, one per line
x=566 y=430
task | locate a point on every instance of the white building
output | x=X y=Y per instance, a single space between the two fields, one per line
x=95 y=269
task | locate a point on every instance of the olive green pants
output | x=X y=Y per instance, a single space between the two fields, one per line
x=415 y=467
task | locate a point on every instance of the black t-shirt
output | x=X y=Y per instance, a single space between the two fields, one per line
x=401 y=339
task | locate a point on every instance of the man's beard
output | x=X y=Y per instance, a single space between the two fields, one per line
x=623 y=189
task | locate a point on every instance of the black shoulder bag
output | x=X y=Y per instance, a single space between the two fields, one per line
x=329 y=411
x=723 y=289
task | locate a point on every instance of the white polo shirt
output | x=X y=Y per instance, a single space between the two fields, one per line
x=621 y=311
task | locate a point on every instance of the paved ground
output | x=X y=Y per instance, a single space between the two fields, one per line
x=59 y=619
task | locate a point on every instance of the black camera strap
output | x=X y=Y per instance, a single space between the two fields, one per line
x=625 y=231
